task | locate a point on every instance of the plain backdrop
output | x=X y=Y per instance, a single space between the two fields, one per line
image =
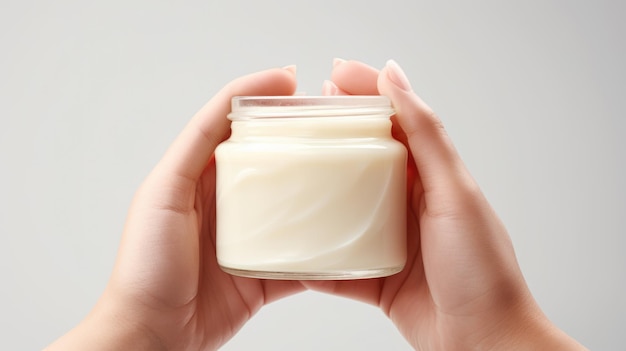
x=93 y=92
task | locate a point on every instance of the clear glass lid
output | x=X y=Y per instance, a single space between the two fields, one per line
x=302 y=106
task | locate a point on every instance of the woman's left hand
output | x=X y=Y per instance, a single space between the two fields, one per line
x=167 y=290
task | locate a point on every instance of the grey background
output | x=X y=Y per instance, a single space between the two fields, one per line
x=92 y=93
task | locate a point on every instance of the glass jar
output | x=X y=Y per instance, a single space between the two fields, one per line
x=311 y=188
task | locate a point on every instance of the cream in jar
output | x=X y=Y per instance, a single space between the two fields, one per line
x=311 y=188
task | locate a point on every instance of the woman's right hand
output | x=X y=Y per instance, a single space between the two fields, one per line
x=462 y=288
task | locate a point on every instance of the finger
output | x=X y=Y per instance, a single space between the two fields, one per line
x=437 y=161
x=364 y=290
x=360 y=78
x=192 y=149
x=355 y=78
x=330 y=88
x=278 y=289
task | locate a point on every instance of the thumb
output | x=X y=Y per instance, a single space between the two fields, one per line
x=439 y=165
x=191 y=151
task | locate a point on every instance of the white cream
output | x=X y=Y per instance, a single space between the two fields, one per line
x=311 y=198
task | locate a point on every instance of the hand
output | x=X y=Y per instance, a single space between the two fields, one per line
x=166 y=290
x=462 y=288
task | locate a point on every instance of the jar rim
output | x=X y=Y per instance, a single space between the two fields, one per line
x=303 y=106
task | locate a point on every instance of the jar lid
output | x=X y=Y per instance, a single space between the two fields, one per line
x=299 y=106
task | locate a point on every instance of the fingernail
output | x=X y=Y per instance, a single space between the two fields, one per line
x=329 y=88
x=291 y=68
x=397 y=76
x=337 y=61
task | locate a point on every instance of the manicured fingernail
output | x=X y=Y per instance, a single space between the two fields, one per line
x=291 y=68
x=329 y=88
x=397 y=76
x=337 y=61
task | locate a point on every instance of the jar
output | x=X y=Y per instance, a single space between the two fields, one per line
x=311 y=188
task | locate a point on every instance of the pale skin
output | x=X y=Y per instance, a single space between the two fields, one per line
x=462 y=288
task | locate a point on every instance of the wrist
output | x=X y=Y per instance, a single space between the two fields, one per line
x=108 y=328
x=529 y=329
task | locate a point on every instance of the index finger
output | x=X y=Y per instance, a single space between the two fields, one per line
x=191 y=151
x=355 y=78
